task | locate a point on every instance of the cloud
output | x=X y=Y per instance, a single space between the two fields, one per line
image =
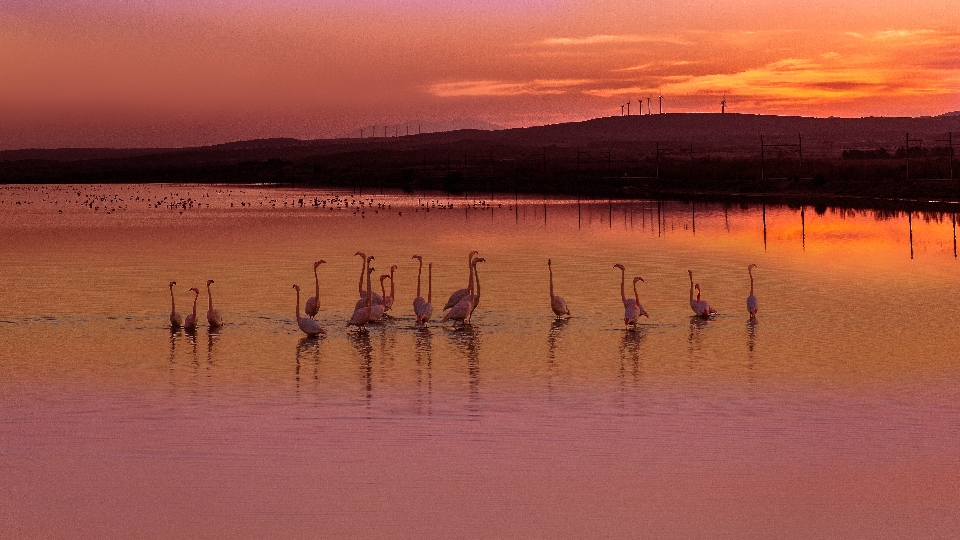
x=503 y=88
x=616 y=39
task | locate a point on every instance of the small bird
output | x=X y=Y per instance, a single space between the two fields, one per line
x=307 y=325
x=752 y=304
x=213 y=316
x=176 y=319
x=313 y=303
x=557 y=304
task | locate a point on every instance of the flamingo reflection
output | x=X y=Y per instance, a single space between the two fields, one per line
x=467 y=340
x=423 y=356
x=361 y=342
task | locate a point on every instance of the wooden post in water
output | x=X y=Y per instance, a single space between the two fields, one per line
x=910 y=221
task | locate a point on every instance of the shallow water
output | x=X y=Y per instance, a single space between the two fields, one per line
x=835 y=415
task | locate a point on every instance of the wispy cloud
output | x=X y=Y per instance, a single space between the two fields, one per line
x=617 y=39
x=900 y=35
x=504 y=88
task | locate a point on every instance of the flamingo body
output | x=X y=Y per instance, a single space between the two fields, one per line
x=557 y=303
x=752 y=305
x=313 y=303
x=307 y=325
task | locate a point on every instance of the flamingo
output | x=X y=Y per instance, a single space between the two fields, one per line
x=388 y=300
x=176 y=319
x=752 y=304
x=191 y=323
x=377 y=299
x=623 y=277
x=313 y=303
x=361 y=316
x=462 y=309
x=458 y=295
x=213 y=316
x=418 y=302
x=633 y=311
x=307 y=325
x=377 y=311
x=557 y=304
x=694 y=304
x=703 y=308
x=426 y=310
x=476 y=297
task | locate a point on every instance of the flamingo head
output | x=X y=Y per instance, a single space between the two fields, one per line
x=472 y=253
x=383 y=277
x=636 y=279
x=297 y=287
x=361 y=254
x=194 y=289
x=548 y=262
x=370 y=258
x=620 y=266
x=690 y=272
x=209 y=282
x=318 y=263
x=418 y=257
x=172 y=283
x=479 y=260
x=697 y=287
x=392 y=268
x=752 y=266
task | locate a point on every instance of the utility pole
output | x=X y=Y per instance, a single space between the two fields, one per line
x=906 y=152
x=949 y=141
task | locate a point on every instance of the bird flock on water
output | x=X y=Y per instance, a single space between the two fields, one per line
x=372 y=307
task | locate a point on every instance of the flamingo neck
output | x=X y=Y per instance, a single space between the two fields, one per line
x=636 y=295
x=419 y=272
x=550 y=268
x=623 y=277
x=173 y=305
x=210 y=297
x=195 y=297
x=751 y=282
x=298 y=304
x=476 y=276
x=316 y=282
x=429 y=284
x=691 y=287
x=392 y=290
x=363 y=269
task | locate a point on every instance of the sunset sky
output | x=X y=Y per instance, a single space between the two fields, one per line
x=185 y=72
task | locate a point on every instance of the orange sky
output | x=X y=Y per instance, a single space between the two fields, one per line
x=184 y=72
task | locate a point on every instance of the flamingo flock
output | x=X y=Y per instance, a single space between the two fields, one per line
x=372 y=307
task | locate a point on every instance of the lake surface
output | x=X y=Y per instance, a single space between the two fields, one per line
x=835 y=415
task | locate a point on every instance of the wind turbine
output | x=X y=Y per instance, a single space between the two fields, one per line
x=648 y=105
x=723 y=105
x=660 y=97
x=621 y=110
x=628 y=107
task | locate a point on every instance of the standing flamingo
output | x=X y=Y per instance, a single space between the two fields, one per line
x=176 y=319
x=377 y=299
x=426 y=310
x=191 y=323
x=213 y=316
x=313 y=303
x=623 y=277
x=418 y=302
x=557 y=304
x=633 y=311
x=476 y=297
x=377 y=311
x=703 y=308
x=307 y=325
x=361 y=316
x=752 y=304
x=388 y=300
x=462 y=309
x=458 y=295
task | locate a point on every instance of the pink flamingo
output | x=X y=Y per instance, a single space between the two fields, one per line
x=418 y=301
x=557 y=304
x=623 y=278
x=426 y=310
x=377 y=299
x=307 y=325
x=458 y=295
x=752 y=304
x=703 y=308
x=476 y=297
x=361 y=316
x=176 y=319
x=378 y=309
x=313 y=303
x=461 y=310
x=213 y=316
x=191 y=322
x=633 y=311
x=388 y=300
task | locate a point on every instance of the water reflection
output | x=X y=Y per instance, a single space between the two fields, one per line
x=630 y=355
x=697 y=327
x=213 y=336
x=361 y=342
x=553 y=336
x=751 y=341
x=423 y=357
x=308 y=347
x=467 y=340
